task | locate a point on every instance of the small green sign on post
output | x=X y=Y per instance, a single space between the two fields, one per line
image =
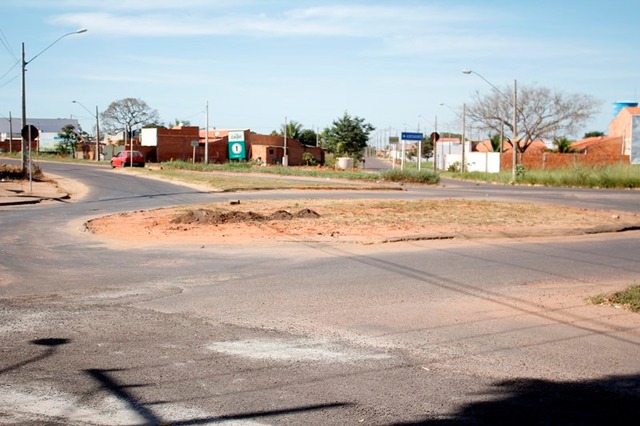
x=237 y=146
x=194 y=144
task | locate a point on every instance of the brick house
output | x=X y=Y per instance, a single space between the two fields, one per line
x=162 y=144
x=626 y=126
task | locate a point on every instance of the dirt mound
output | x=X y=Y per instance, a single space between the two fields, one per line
x=215 y=217
x=307 y=214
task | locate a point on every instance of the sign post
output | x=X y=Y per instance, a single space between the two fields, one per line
x=410 y=136
x=194 y=144
x=29 y=133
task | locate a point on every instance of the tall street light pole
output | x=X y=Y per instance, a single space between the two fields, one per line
x=420 y=143
x=514 y=142
x=434 y=143
x=97 y=128
x=206 y=135
x=24 y=91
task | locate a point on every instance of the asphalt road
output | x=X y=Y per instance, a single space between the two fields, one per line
x=479 y=332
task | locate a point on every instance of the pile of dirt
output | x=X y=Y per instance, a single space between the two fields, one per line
x=15 y=173
x=216 y=217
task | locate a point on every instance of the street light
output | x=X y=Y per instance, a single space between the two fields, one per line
x=420 y=143
x=514 y=142
x=97 y=128
x=24 y=96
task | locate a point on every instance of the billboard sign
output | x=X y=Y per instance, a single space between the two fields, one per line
x=237 y=145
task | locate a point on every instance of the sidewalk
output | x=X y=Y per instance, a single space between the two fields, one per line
x=14 y=193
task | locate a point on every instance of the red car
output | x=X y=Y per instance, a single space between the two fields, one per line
x=123 y=158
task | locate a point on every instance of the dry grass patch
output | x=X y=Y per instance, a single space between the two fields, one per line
x=353 y=220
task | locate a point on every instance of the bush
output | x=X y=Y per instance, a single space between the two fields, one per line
x=307 y=157
x=454 y=167
x=422 y=176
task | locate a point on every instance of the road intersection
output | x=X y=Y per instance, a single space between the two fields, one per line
x=412 y=333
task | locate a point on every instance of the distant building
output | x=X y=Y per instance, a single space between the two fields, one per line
x=626 y=125
x=187 y=143
x=48 y=127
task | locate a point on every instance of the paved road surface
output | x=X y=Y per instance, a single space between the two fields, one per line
x=412 y=333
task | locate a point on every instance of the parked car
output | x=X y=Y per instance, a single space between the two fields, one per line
x=123 y=158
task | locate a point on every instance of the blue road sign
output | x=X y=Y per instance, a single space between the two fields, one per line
x=409 y=136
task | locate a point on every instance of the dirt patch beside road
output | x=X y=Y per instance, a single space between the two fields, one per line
x=362 y=221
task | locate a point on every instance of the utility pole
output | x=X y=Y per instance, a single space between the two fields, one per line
x=23 y=153
x=10 y=132
x=206 y=135
x=97 y=136
x=464 y=126
x=515 y=130
x=285 y=159
x=434 y=143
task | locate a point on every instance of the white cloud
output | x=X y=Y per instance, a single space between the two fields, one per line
x=186 y=20
x=388 y=30
x=129 y=5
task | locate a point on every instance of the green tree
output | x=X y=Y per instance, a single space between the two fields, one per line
x=69 y=141
x=308 y=137
x=347 y=136
x=495 y=142
x=307 y=157
x=593 y=134
x=127 y=114
x=563 y=145
x=427 y=147
x=293 y=129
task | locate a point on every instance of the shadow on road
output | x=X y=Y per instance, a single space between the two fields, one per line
x=612 y=400
x=120 y=390
x=50 y=343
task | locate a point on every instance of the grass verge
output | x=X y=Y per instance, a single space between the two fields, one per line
x=619 y=176
x=628 y=298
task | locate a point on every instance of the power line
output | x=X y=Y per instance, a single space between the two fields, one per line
x=9 y=81
x=5 y=43
x=9 y=70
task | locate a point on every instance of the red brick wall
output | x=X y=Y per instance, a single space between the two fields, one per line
x=552 y=160
x=16 y=146
x=259 y=145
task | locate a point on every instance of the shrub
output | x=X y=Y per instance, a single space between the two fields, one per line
x=422 y=176
x=454 y=167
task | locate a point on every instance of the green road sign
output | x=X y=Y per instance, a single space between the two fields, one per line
x=237 y=150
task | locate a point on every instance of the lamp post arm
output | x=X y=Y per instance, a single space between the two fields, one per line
x=84 y=30
x=85 y=108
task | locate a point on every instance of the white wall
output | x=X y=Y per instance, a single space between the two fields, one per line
x=449 y=153
x=488 y=162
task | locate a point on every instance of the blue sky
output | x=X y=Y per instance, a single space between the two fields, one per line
x=256 y=62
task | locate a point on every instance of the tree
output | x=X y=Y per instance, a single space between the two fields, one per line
x=427 y=147
x=179 y=123
x=293 y=129
x=308 y=137
x=593 y=134
x=542 y=113
x=348 y=136
x=495 y=142
x=563 y=145
x=126 y=114
x=69 y=140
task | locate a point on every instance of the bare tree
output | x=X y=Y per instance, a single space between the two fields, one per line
x=542 y=113
x=127 y=114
